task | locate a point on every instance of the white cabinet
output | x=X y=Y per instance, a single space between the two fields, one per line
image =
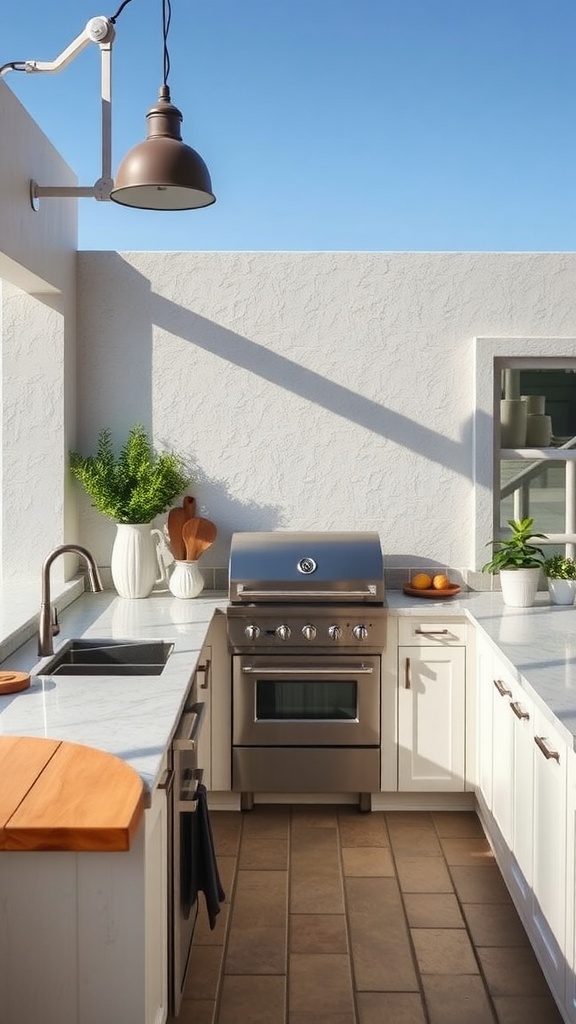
x=571 y=887
x=156 y=907
x=431 y=705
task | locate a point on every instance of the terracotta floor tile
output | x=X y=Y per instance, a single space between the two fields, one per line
x=206 y=936
x=409 y=819
x=457 y=999
x=319 y=983
x=252 y=1000
x=381 y=948
x=315 y=874
x=423 y=874
x=367 y=860
x=512 y=971
x=415 y=842
x=226 y=831
x=318 y=933
x=263 y=854
x=362 y=829
x=494 y=924
x=314 y=816
x=482 y=884
x=433 y=910
x=256 y=950
x=457 y=823
x=266 y=820
x=322 y=1018
x=390 y=1008
x=260 y=899
x=204 y=973
x=444 y=951
x=195 y=1011
x=527 y=1010
x=472 y=850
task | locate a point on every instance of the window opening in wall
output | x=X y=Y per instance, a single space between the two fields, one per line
x=537 y=465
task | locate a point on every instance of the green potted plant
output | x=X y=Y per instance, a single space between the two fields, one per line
x=132 y=489
x=561 y=578
x=518 y=563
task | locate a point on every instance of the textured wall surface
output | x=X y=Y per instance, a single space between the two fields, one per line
x=311 y=390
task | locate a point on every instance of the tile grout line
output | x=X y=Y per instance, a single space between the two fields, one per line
x=347 y=922
x=466 y=925
x=228 y=929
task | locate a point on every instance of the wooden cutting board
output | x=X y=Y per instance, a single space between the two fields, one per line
x=64 y=796
x=13 y=682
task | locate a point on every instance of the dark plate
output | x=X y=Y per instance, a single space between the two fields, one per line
x=431 y=592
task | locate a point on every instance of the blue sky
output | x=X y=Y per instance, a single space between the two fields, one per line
x=327 y=124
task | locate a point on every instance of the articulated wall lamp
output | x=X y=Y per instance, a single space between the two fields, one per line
x=161 y=173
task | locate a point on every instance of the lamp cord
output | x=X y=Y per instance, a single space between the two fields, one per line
x=166 y=19
x=119 y=11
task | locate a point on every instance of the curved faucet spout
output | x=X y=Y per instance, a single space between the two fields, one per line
x=48 y=626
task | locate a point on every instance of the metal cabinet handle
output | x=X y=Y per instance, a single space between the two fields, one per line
x=502 y=688
x=548 y=751
x=167 y=780
x=431 y=632
x=204 y=668
x=407 y=675
x=519 y=710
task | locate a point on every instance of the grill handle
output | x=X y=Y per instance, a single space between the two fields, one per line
x=246 y=592
x=323 y=670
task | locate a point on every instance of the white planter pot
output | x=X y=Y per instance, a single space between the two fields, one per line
x=186 y=580
x=562 y=591
x=519 y=586
x=136 y=563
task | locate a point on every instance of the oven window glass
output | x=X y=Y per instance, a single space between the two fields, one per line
x=306 y=700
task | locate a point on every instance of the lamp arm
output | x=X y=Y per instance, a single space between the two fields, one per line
x=98 y=30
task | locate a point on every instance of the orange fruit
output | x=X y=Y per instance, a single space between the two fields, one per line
x=421 y=581
x=440 y=582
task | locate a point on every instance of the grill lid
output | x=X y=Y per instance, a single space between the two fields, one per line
x=311 y=567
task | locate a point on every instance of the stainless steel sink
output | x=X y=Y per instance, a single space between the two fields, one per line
x=110 y=658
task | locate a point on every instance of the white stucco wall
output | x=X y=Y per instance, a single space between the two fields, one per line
x=37 y=357
x=311 y=390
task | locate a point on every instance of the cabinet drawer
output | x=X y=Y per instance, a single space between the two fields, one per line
x=428 y=632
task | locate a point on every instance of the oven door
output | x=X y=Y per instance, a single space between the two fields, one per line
x=306 y=701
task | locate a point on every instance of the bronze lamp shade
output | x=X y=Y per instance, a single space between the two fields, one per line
x=163 y=173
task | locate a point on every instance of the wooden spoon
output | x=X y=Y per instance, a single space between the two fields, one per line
x=176 y=519
x=189 y=504
x=199 y=534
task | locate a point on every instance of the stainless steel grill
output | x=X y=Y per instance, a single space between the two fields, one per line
x=306 y=628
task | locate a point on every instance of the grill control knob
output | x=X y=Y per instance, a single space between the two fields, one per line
x=309 y=632
x=252 y=632
x=334 y=632
x=283 y=632
x=360 y=632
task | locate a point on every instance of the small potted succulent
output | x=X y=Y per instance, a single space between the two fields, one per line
x=561 y=578
x=518 y=563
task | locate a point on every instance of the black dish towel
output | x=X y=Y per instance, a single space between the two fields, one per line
x=208 y=877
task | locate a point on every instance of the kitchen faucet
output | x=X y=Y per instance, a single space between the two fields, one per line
x=48 y=626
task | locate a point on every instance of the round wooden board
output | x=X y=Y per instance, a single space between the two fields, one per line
x=12 y=682
x=432 y=593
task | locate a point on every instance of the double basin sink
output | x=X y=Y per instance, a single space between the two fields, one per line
x=109 y=658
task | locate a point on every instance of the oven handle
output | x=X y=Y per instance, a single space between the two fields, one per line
x=323 y=670
x=246 y=592
x=189 y=728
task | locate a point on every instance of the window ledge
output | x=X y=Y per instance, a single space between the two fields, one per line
x=20 y=606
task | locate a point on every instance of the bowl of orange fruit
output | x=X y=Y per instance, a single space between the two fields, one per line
x=436 y=586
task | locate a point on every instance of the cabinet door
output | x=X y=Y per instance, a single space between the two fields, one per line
x=571 y=890
x=431 y=718
x=549 y=859
x=502 y=753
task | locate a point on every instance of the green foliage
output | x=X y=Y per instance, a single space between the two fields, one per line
x=559 y=567
x=135 y=487
x=517 y=552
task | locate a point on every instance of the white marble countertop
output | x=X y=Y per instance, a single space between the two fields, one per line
x=538 y=642
x=134 y=716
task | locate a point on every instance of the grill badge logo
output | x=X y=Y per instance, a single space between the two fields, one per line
x=307 y=565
